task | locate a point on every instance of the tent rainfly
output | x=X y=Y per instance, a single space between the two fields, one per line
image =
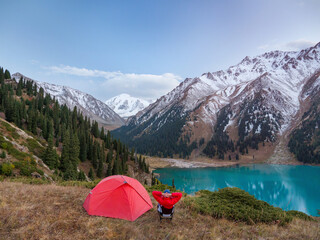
x=118 y=197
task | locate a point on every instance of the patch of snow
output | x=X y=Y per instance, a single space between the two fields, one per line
x=87 y=104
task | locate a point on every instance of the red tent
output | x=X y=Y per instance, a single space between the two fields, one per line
x=118 y=197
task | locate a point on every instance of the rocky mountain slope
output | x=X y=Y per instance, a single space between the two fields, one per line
x=126 y=105
x=89 y=106
x=229 y=111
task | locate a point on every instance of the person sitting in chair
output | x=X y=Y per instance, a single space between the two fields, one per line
x=166 y=202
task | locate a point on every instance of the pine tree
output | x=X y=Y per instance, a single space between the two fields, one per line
x=94 y=160
x=140 y=162
x=69 y=156
x=50 y=155
x=91 y=174
x=49 y=128
x=102 y=134
x=144 y=165
x=65 y=154
x=115 y=169
x=81 y=176
x=147 y=168
x=74 y=150
x=3 y=154
x=44 y=128
x=7 y=74
x=153 y=179
x=108 y=140
x=95 y=129
x=100 y=169
x=1 y=76
x=109 y=170
x=19 y=90
x=83 y=148
x=110 y=156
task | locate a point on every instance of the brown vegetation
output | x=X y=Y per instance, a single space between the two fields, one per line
x=55 y=212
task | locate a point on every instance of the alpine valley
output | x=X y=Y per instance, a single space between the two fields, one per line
x=265 y=103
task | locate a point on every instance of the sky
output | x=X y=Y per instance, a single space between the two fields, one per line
x=145 y=48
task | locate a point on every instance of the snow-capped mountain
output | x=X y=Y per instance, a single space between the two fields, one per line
x=253 y=101
x=87 y=104
x=126 y=105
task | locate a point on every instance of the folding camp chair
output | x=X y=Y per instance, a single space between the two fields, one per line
x=165 y=212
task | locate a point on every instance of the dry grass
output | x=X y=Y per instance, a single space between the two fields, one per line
x=55 y=212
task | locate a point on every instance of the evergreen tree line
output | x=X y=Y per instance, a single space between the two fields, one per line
x=305 y=141
x=254 y=126
x=164 y=141
x=220 y=143
x=78 y=138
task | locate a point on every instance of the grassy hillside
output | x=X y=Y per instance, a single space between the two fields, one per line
x=56 y=212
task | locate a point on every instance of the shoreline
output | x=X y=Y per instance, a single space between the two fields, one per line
x=182 y=163
x=157 y=162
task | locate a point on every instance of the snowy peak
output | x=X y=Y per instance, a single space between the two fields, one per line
x=263 y=95
x=126 y=105
x=87 y=104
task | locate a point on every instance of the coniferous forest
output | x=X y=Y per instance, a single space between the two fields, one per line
x=305 y=141
x=70 y=138
x=252 y=113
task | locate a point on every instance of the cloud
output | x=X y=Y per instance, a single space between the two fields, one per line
x=299 y=44
x=33 y=62
x=296 y=45
x=109 y=84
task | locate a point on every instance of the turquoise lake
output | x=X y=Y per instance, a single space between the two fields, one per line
x=284 y=186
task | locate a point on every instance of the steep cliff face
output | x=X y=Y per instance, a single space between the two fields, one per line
x=262 y=94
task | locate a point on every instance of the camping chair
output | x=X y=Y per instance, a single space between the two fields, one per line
x=165 y=212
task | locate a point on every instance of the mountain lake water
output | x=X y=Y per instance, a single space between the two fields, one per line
x=285 y=186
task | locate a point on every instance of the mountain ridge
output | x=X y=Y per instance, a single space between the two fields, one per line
x=89 y=106
x=275 y=79
x=126 y=105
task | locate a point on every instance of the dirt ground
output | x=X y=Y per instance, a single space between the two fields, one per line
x=56 y=212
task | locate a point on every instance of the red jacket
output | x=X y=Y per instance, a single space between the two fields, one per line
x=167 y=202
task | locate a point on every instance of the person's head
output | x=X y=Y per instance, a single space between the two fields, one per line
x=166 y=193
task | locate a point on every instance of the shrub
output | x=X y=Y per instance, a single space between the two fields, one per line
x=300 y=215
x=80 y=183
x=4 y=145
x=35 y=147
x=27 y=167
x=6 y=169
x=12 y=150
x=237 y=205
x=8 y=127
x=3 y=154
